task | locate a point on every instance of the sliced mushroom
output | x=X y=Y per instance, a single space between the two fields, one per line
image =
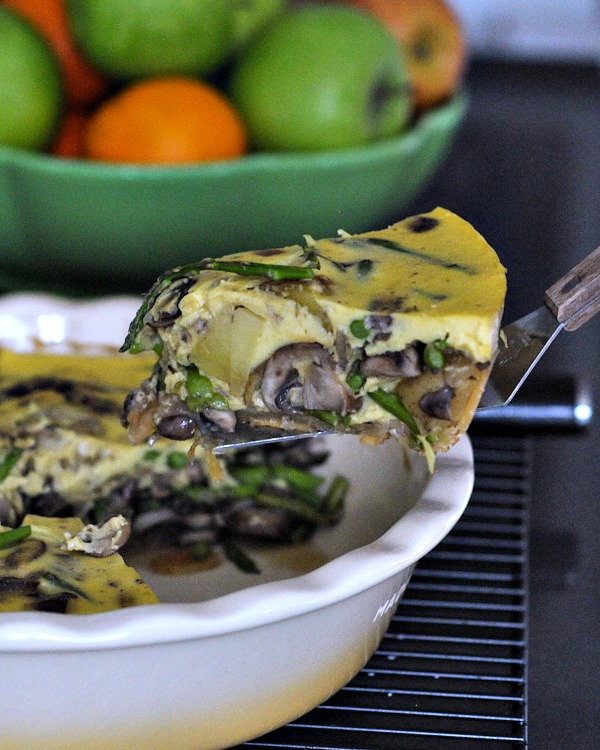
x=246 y=519
x=151 y=518
x=438 y=403
x=173 y=419
x=9 y=515
x=323 y=390
x=284 y=393
x=380 y=325
x=343 y=350
x=224 y=419
x=404 y=364
x=100 y=541
x=138 y=412
x=280 y=375
x=177 y=427
x=24 y=553
x=303 y=376
x=167 y=303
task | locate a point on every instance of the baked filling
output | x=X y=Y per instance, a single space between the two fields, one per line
x=40 y=572
x=387 y=333
x=65 y=456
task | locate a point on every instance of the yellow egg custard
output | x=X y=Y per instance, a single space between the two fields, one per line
x=386 y=333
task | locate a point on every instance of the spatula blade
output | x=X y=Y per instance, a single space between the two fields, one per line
x=247 y=436
x=521 y=346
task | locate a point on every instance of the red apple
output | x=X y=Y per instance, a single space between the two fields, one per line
x=433 y=40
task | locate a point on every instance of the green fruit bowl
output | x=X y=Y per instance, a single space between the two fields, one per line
x=83 y=228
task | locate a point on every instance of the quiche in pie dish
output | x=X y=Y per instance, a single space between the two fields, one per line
x=62 y=566
x=386 y=333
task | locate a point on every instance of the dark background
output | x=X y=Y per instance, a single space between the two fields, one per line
x=525 y=171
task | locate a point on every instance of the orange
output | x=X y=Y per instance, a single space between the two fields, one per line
x=166 y=120
x=83 y=83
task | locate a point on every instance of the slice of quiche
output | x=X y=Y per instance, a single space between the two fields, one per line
x=40 y=573
x=386 y=333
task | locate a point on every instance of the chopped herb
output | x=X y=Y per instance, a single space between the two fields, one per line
x=298 y=480
x=201 y=550
x=151 y=455
x=238 y=557
x=177 y=460
x=364 y=267
x=272 y=271
x=14 y=535
x=8 y=462
x=391 y=245
x=295 y=506
x=53 y=581
x=333 y=418
x=201 y=392
x=336 y=494
x=392 y=403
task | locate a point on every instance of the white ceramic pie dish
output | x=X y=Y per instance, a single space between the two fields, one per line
x=226 y=656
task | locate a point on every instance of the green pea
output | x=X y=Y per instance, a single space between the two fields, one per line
x=201 y=392
x=198 y=385
x=355 y=380
x=218 y=402
x=433 y=357
x=359 y=329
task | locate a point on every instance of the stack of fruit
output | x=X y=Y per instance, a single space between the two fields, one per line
x=171 y=82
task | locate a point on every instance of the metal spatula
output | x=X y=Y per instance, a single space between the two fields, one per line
x=568 y=303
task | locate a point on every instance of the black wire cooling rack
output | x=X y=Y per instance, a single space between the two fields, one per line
x=451 y=672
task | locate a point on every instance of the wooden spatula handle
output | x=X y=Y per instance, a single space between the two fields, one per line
x=578 y=291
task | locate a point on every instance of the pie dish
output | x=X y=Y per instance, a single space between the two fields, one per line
x=225 y=657
x=88 y=227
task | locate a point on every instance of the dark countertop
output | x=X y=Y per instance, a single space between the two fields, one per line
x=525 y=171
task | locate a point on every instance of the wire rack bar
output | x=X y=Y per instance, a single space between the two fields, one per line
x=451 y=672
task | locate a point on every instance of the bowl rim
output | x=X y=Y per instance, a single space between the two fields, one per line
x=440 y=505
x=445 y=114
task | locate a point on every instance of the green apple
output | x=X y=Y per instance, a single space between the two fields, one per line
x=133 y=38
x=322 y=77
x=249 y=16
x=31 y=90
